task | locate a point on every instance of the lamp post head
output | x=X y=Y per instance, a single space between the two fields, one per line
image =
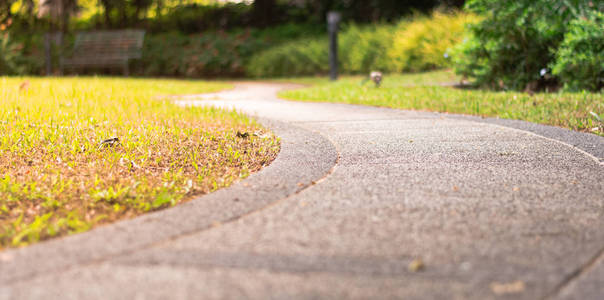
x=333 y=20
x=334 y=17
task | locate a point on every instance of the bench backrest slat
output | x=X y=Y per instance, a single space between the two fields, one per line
x=116 y=43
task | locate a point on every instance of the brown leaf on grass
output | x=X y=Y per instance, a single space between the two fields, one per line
x=24 y=86
x=242 y=135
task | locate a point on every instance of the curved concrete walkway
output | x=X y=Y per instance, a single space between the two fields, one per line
x=357 y=194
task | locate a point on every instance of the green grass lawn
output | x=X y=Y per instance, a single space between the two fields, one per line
x=423 y=91
x=79 y=152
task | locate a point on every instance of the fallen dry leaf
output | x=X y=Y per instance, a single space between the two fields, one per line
x=507 y=288
x=416 y=265
x=24 y=85
x=242 y=135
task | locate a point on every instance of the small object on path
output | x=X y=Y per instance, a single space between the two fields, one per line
x=507 y=288
x=109 y=142
x=416 y=265
x=374 y=76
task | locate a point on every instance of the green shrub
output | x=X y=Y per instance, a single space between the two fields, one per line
x=287 y=32
x=364 y=49
x=580 y=58
x=193 y=18
x=162 y=54
x=200 y=55
x=360 y=50
x=414 y=45
x=425 y=42
x=211 y=54
x=33 y=53
x=301 y=57
x=10 y=56
x=515 y=42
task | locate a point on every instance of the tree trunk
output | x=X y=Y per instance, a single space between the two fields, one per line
x=123 y=14
x=160 y=6
x=107 y=7
x=65 y=14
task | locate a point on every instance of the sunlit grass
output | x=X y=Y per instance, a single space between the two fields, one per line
x=78 y=152
x=391 y=80
x=423 y=91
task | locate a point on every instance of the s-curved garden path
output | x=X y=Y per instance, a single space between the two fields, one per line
x=362 y=202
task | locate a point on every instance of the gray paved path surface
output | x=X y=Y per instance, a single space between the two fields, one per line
x=355 y=196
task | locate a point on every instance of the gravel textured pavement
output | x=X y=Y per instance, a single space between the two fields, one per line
x=362 y=202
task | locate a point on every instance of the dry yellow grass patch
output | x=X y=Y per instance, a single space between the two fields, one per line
x=79 y=152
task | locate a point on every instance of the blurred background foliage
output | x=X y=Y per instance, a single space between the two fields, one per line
x=416 y=43
x=508 y=45
x=517 y=43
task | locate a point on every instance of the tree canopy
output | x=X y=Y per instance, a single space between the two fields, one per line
x=221 y=14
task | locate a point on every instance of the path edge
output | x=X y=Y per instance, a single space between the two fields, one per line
x=305 y=157
x=586 y=142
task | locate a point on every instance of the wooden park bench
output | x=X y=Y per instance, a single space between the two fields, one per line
x=105 y=49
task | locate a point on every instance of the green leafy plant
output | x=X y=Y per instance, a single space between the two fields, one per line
x=302 y=57
x=363 y=49
x=193 y=18
x=420 y=44
x=512 y=47
x=580 y=58
x=425 y=43
x=10 y=55
x=199 y=55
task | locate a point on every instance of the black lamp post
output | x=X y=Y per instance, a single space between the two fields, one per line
x=333 y=22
